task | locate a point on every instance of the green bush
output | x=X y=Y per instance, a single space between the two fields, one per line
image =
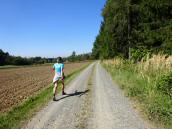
x=160 y=109
x=138 y=54
x=165 y=84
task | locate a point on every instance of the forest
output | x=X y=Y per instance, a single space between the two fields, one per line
x=134 y=28
x=135 y=46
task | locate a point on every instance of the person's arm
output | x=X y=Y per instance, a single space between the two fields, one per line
x=63 y=75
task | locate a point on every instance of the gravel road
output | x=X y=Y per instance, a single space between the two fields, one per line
x=109 y=108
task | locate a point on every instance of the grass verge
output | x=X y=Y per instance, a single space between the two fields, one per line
x=144 y=83
x=19 y=115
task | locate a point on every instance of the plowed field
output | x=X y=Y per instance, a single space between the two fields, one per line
x=17 y=84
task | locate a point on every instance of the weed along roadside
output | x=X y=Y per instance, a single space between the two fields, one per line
x=148 y=83
x=19 y=115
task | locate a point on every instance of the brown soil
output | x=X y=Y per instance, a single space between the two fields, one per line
x=17 y=84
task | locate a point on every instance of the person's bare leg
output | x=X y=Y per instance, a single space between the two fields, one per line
x=55 y=90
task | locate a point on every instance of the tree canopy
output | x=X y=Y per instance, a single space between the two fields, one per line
x=134 y=26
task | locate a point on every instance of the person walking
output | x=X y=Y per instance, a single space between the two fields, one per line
x=59 y=76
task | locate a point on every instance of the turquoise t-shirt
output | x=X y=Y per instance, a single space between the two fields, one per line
x=58 y=68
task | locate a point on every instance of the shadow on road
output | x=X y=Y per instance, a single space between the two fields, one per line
x=76 y=93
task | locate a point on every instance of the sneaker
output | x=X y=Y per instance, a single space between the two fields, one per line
x=63 y=93
x=54 y=98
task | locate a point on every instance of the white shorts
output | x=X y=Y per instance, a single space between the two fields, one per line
x=56 y=78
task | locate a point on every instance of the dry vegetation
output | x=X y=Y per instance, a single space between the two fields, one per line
x=148 y=81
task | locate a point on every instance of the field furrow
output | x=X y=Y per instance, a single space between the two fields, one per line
x=17 y=84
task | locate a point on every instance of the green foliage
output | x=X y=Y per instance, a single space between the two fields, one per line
x=165 y=84
x=138 y=54
x=80 y=57
x=4 y=57
x=135 y=24
x=7 y=59
x=20 y=61
x=159 y=109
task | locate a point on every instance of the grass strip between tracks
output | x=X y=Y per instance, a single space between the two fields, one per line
x=19 y=115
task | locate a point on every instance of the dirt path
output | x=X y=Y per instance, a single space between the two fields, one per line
x=109 y=108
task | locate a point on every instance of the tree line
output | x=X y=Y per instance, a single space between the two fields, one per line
x=80 y=57
x=134 y=28
x=7 y=59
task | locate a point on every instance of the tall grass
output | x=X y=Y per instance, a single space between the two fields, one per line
x=149 y=82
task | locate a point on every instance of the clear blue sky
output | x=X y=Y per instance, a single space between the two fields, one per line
x=49 y=28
